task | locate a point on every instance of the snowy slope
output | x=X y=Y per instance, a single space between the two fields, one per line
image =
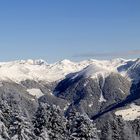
x=94 y=70
x=129 y=114
x=35 y=92
x=40 y=70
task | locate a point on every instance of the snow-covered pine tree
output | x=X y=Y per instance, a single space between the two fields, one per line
x=13 y=125
x=49 y=120
x=3 y=129
x=4 y=118
x=21 y=128
x=80 y=127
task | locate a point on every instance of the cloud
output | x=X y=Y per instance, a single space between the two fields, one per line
x=109 y=54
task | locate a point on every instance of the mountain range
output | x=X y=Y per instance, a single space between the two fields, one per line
x=105 y=92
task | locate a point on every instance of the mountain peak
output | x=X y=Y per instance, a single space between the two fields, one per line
x=93 y=70
x=65 y=62
x=32 y=62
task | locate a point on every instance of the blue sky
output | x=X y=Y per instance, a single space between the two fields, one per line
x=72 y=29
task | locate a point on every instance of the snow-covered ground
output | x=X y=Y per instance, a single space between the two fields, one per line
x=129 y=114
x=35 y=92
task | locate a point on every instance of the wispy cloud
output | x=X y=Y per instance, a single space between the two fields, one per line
x=109 y=54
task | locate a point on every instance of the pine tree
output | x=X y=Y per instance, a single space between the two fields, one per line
x=49 y=120
x=13 y=125
x=4 y=117
x=80 y=127
x=3 y=129
x=20 y=128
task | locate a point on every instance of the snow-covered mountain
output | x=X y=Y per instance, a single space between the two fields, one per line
x=104 y=91
x=40 y=70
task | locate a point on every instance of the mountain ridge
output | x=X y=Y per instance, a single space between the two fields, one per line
x=38 y=70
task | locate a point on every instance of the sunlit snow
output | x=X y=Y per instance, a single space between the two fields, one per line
x=129 y=114
x=40 y=70
x=35 y=92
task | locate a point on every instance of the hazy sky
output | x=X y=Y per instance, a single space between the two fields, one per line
x=72 y=29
